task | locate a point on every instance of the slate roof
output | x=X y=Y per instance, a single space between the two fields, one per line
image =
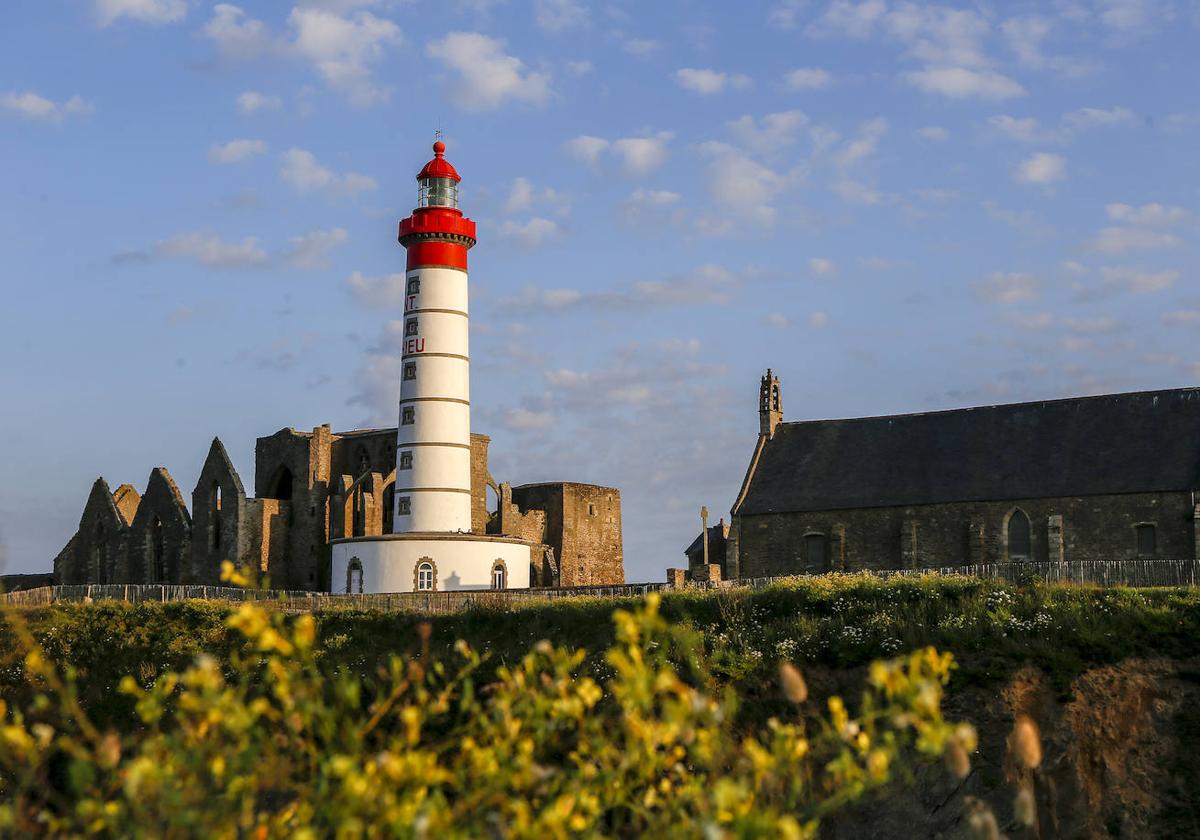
x=1117 y=443
x=716 y=537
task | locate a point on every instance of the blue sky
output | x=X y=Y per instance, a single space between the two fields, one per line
x=899 y=206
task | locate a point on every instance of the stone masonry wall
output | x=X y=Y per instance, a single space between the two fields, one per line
x=959 y=533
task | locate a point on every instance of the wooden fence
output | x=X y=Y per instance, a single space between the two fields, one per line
x=1099 y=572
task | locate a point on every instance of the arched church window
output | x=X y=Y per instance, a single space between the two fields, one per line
x=499 y=575
x=101 y=553
x=281 y=487
x=354 y=577
x=214 y=522
x=1019 y=539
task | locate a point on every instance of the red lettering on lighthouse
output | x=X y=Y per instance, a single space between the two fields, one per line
x=414 y=345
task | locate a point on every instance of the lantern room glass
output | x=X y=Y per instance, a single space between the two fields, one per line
x=437 y=192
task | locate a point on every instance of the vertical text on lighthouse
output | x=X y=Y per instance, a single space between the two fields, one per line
x=433 y=443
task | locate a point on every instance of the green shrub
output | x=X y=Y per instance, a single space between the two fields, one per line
x=278 y=742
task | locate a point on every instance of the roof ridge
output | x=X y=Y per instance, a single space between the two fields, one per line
x=1081 y=398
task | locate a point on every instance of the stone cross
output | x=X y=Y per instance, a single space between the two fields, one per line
x=704 y=531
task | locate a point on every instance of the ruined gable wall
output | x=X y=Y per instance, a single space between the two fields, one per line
x=480 y=479
x=959 y=533
x=162 y=503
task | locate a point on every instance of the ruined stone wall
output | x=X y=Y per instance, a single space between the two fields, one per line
x=219 y=532
x=583 y=526
x=480 y=479
x=97 y=552
x=306 y=458
x=160 y=536
x=960 y=533
x=267 y=521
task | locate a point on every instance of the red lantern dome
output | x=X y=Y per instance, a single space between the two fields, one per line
x=439 y=167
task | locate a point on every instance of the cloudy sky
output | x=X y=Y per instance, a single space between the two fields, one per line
x=899 y=206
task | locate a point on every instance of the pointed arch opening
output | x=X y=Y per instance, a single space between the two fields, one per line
x=282 y=485
x=1018 y=537
x=156 y=552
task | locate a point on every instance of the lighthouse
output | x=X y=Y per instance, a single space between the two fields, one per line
x=432 y=547
x=433 y=441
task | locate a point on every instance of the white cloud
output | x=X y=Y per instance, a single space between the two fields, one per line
x=1021 y=129
x=531 y=233
x=378 y=292
x=708 y=284
x=772 y=133
x=934 y=133
x=821 y=266
x=586 y=149
x=707 y=82
x=251 y=102
x=312 y=249
x=1182 y=318
x=777 y=319
x=1025 y=36
x=865 y=144
x=1098 y=118
x=641 y=47
x=642 y=155
x=735 y=180
x=786 y=14
x=339 y=43
x=655 y=206
x=146 y=11
x=1042 y=168
x=1138 y=280
x=855 y=192
x=1119 y=240
x=486 y=76
x=301 y=170
x=524 y=420
x=1148 y=215
x=342 y=49
x=807 y=78
x=557 y=16
x=1007 y=288
x=965 y=83
x=818 y=320
x=237 y=36
x=206 y=249
x=236 y=151
x=580 y=68
x=31 y=106
x=522 y=196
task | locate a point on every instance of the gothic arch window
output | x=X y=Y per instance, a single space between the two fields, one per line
x=158 y=552
x=499 y=575
x=358 y=526
x=281 y=486
x=816 y=552
x=425 y=575
x=1018 y=537
x=354 y=577
x=214 y=518
x=364 y=462
x=100 y=551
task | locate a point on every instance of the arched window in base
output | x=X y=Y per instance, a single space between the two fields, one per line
x=425 y=575
x=1018 y=540
x=354 y=577
x=499 y=575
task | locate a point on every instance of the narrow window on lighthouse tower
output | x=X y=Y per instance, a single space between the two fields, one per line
x=406 y=460
x=408 y=416
x=414 y=286
x=410 y=370
x=404 y=506
x=410 y=327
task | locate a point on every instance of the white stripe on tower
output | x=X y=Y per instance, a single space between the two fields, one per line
x=433 y=443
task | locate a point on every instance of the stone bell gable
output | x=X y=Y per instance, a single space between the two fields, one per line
x=96 y=553
x=218 y=511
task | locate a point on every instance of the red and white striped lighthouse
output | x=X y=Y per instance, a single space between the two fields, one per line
x=431 y=547
x=433 y=444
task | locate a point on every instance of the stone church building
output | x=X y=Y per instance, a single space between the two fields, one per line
x=1110 y=477
x=311 y=488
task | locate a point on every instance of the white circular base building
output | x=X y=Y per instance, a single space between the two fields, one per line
x=429 y=562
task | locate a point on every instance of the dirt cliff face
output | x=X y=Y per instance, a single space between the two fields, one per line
x=1121 y=758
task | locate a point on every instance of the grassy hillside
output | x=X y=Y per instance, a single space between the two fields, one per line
x=839 y=622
